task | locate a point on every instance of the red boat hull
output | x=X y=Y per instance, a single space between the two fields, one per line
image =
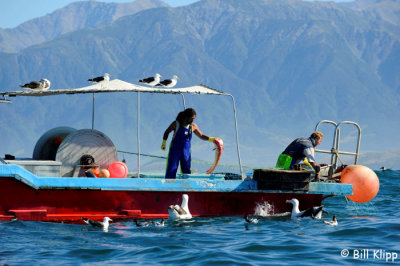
x=20 y=201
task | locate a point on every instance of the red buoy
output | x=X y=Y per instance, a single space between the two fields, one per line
x=365 y=182
x=118 y=170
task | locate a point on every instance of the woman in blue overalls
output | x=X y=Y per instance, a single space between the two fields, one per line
x=179 y=150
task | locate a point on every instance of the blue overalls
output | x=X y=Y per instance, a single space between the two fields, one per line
x=179 y=151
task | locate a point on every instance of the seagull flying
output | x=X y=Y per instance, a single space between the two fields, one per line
x=106 y=77
x=177 y=212
x=43 y=84
x=104 y=224
x=314 y=212
x=334 y=221
x=151 y=81
x=169 y=83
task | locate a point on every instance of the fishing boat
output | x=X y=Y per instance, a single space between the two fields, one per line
x=50 y=186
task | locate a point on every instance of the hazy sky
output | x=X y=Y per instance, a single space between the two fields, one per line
x=15 y=12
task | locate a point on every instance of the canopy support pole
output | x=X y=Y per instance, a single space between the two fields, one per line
x=138 y=134
x=4 y=100
x=237 y=136
x=184 y=102
x=93 y=111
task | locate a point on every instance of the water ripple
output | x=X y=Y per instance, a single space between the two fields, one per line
x=216 y=241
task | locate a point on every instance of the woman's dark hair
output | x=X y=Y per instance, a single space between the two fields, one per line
x=187 y=113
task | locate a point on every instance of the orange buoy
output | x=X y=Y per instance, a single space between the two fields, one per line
x=118 y=170
x=96 y=172
x=365 y=182
x=104 y=173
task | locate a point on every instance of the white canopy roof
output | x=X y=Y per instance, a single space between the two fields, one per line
x=116 y=85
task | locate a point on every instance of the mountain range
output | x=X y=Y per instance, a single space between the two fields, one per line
x=75 y=16
x=289 y=64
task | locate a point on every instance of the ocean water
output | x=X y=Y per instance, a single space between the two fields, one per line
x=367 y=233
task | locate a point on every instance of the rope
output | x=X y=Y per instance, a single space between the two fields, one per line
x=337 y=155
x=198 y=162
x=142 y=154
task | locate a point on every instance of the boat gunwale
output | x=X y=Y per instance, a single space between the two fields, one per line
x=190 y=184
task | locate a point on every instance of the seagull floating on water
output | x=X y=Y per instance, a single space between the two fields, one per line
x=160 y=224
x=106 y=77
x=143 y=224
x=151 y=81
x=169 y=83
x=104 y=224
x=43 y=84
x=314 y=212
x=334 y=221
x=250 y=220
x=177 y=212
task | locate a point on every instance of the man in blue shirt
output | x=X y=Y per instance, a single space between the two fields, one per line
x=299 y=150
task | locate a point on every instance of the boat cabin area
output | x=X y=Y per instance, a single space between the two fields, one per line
x=68 y=153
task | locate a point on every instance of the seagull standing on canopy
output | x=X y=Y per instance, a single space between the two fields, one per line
x=106 y=77
x=169 y=83
x=151 y=81
x=43 y=84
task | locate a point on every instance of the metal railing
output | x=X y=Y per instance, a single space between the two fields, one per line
x=335 y=151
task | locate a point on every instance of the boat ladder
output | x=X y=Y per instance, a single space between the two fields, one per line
x=335 y=151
